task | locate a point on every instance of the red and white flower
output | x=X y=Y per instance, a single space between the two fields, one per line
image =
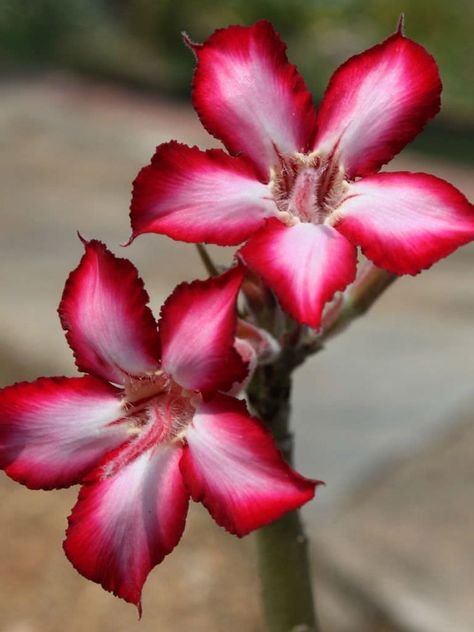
x=302 y=187
x=148 y=427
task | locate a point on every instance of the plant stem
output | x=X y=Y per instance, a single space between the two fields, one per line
x=206 y=259
x=285 y=576
x=282 y=548
x=360 y=297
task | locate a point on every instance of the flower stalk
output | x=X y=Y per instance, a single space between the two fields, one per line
x=282 y=547
x=285 y=576
x=206 y=260
x=359 y=298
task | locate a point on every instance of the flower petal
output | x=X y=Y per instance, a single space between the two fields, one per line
x=125 y=523
x=405 y=222
x=196 y=196
x=197 y=333
x=249 y=356
x=249 y=96
x=105 y=314
x=54 y=430
x=376 y=103
x=232 y=466
x=265 y=346
x=304 y=264
x=255 y=346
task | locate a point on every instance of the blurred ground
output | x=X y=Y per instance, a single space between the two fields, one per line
x=384 y=389
x=399 y=554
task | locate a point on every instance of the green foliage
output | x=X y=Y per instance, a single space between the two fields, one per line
x=33 y=30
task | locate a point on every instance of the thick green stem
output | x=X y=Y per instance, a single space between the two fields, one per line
x=285 y=576
x=282 y=548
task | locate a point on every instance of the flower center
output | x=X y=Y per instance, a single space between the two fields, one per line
x=157 y=408
x=307 y=188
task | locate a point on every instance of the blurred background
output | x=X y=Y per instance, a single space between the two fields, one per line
x=384 y=415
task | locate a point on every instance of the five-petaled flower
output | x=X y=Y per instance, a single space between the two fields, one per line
x=148 y=427
x=302 y=187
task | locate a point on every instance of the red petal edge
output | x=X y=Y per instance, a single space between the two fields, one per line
x=126 y=523
x=199 y=196
x=104 y=312
x=232 y=466
x=376 y=103
x=248 y=95
x=197 y=333
x=53 y=431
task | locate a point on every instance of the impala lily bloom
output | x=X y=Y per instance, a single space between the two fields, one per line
x=148 y=427
x=302 y=187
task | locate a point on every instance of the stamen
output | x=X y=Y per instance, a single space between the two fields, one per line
x=145 y=386
x=306 y=188
x=303 y=198
x=287 y=218
x=335 y=191
x=157 y=408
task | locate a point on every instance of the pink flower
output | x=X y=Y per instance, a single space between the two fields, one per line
x=302 y=187
x=148 y=427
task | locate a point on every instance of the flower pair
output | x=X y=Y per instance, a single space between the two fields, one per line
x=149 y=426
x=153 y=422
